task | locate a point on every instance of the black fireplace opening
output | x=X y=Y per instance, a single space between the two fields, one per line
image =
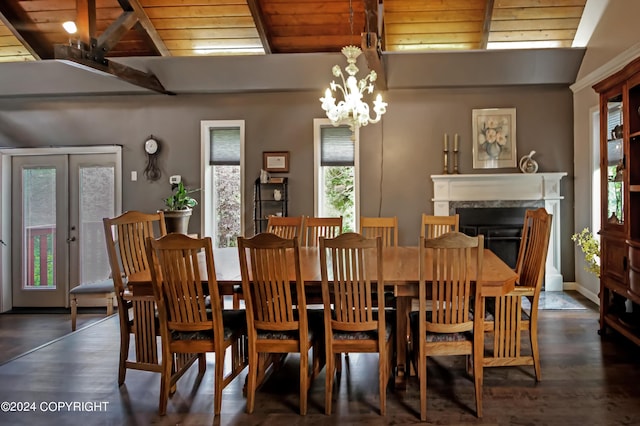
x=501 y=227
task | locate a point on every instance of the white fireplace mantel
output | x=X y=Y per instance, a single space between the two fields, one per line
x=507 y=187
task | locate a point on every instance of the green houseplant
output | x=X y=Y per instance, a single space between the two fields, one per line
x=590 y=247
x=178 y=209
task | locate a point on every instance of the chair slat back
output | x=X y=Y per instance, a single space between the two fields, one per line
x=316 y=227
x=449 y=258
x=125 y=236
x=352 y=276
x=286 y=227
x=534 y=245
x=269 y=264
x=434 y=226
x=384 y=227
x=178 y=282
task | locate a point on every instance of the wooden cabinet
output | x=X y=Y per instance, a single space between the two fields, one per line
x=620 y=197
x=271 y=198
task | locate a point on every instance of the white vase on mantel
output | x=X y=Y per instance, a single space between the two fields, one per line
x=528 y=164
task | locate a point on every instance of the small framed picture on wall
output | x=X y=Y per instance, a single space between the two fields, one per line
x=276 y=161
x=494 y=138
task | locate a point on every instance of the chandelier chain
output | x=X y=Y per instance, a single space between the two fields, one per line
x=351 y=21
x=351 y=106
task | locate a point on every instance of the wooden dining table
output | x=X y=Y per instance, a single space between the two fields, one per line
x=401 y=274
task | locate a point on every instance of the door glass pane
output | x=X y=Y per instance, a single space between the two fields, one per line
x=97 y=201
x=615 y=162
x=39 y=227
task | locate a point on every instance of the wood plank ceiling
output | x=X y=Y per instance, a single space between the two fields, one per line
x=29 y=29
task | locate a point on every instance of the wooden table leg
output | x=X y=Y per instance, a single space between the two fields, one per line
x=403 y=304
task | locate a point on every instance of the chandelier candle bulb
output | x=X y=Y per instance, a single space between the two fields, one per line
x=446 y=142
x=455 y=142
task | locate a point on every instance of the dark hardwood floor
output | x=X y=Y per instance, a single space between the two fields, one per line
x=23 y=330
x=586 y=380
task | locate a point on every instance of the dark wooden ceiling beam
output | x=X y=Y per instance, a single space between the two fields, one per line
x=131 y=75
x=112 y=35
x=371 y=16
x=370 y=48
x=145 y=22
x=86 y=20
x=371 y=42
x=93 y=57
x=24 y=29
x=486 y=26
x=258 y=19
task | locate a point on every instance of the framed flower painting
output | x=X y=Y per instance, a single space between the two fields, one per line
x=494 y=138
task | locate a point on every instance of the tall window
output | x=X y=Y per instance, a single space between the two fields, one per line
x=336 y=173
x=223 y=146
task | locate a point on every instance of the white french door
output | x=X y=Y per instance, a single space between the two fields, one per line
x=58 y=202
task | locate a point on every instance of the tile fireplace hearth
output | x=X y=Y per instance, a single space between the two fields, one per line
x=506 y=190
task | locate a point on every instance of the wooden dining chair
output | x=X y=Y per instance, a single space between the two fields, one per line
x=448 y=328
x=286 y=227
x=316 y=227
x=125 y=236
x=506 y=319
x=188 y=324
x=384 y=227
x=434 y=226
x=352 y=279
x=276 y=309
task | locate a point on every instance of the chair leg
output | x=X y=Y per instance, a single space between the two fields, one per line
x=382 y=374
x=165 y=382
x=125 y=338
x=422 y=373
x=110 y=298
x=533 y=336
x=202 y=363
x=236 y=301
x=218 y=385
x=252 y=377
x=74 y=311
x=478 y=378
x=304 y=379
x=328 y=387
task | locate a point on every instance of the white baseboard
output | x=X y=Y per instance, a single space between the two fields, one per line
x=582 y=290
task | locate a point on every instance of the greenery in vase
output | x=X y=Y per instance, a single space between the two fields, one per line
x=591 y=249
x=180 y=199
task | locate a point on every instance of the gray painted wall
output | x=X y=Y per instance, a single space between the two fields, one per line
x=404 y=149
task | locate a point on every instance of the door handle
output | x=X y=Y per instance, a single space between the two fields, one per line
x=71 y=239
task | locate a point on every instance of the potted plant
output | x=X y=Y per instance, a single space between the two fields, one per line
x=178 y=209
x=590 y=246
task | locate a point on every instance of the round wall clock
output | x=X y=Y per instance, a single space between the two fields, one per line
x=152 y=148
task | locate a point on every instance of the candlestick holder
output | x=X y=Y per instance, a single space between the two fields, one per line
x=455 y=161
x=445 y=171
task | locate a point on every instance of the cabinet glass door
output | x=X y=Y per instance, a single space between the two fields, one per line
x=614 y=162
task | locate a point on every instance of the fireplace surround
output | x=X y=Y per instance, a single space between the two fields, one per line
x=506 y=190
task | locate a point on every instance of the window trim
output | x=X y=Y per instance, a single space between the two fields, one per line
x=318 y=123
x=207 y=217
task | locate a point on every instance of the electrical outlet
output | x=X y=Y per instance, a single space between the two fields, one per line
x=175 y=179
